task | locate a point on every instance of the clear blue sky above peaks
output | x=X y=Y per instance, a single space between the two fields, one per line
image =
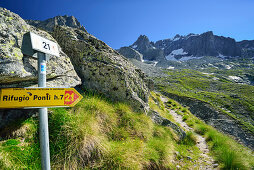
x=120 y=22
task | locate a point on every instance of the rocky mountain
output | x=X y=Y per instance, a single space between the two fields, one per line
x=206 y=44
x=146 y=48
x=50 y=23
x=192 y=46
x=102 y=69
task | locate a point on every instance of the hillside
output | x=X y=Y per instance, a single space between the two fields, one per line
x=123 y=122
x=100 y=134
x=210 y=74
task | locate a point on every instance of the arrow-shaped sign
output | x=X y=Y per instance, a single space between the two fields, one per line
x=38 y=97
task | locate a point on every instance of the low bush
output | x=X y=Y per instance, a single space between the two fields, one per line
x=190 y=139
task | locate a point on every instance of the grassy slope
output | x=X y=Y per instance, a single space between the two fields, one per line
x=227 y=152
x=224 y=149
x=94 y=134
x=233 y=99
x=99 y=134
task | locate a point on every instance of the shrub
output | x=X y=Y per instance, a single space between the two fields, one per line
x=190 y=139
x=185 y=117
x=201 y=129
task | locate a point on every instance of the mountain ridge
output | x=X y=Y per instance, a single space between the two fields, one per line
x=192 y=46
x=50 y=23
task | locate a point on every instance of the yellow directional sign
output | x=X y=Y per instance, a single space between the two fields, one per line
x=38 y=97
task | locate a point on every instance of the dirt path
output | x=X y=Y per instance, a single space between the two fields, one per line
x=205 y=161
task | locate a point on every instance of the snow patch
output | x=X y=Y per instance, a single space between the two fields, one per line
x=155 y=63
x=207 y=73
x=215 y=78
x=134 y=46
x=176 y=39
x=171 y=68
x=228 y=67
x=178 y=52
x=223 y=56
x=171 y=57
x=186 y=58
x=192 y=35
x=235 y=78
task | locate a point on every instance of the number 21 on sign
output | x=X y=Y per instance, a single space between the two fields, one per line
x=70 y=97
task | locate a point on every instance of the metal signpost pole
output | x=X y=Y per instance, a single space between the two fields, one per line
x=43 y=115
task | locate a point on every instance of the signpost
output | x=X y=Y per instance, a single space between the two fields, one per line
x=43 y=45
x=41 y=97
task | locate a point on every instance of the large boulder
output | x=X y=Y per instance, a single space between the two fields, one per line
x=19 y=70
x=102 y=69
x=50 y=23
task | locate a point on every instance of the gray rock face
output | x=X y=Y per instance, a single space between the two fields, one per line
x=18 y=70
x=50 y=23
x=247 y=48
x=156 y=118
x=102 y=69
x=147 y=48
x=130 y=53
x=192 y=46
x=205 y=44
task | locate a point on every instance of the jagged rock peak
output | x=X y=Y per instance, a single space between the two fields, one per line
x=208 y=33
x=177 y=36
x=49 y=24
x=143 y=38
x=142 y=42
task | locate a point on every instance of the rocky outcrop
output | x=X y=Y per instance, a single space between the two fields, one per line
x=50 y=23
x=19 y=70
x=247 y=48
x=206 y=44
x=130 y=53
x=102 y=69
x=192 y=46
x=213 y=117
x=145 y=47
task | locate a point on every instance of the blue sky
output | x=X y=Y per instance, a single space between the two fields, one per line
x=120 y=22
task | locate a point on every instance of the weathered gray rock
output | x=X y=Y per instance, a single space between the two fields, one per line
x=18 y=70
x=102 y=69
x=156 y=118
x=50 y=23
x=247 y=48
x=206 y=44
x=130 y=53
